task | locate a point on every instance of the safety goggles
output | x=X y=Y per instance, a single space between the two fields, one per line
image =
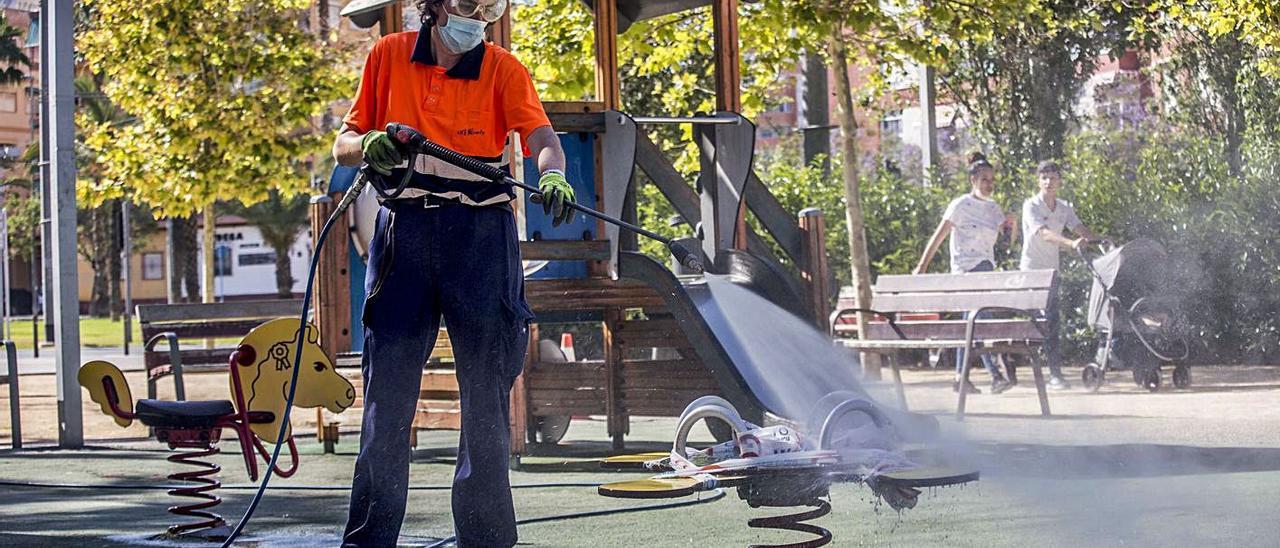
x=486 y=10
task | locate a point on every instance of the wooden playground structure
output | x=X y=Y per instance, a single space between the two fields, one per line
x=607 y=146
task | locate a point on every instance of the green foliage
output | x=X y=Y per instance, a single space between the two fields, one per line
x=560 y=60
x=13 y=61
x=23 y=206
x=1021 y=90
x=225 y=99
x=900 y=214
x=279 y=219
x=1175 y=187
x=1256 y=22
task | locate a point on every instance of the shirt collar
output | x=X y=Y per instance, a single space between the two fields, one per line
x=468 y=67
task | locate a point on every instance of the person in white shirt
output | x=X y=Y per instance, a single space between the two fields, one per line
x=1044 y=216
x=974 y=222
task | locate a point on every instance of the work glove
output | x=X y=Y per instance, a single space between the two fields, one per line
x=380 y=151
x=556 y=193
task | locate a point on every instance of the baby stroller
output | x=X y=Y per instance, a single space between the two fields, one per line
x=1138 y=318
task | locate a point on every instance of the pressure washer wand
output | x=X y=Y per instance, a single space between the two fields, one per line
x=412 y=138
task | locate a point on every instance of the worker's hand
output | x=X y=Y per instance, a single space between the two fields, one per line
x=1079 y=244
x=380 y=151
x=556 y=192
x=1010 y=221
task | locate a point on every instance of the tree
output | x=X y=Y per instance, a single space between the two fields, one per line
x=1254 y=22
x=99 y=239
x=887 y=34
x=1022 y=89
x=279 y=219
x=13 y=61
x=226 y=99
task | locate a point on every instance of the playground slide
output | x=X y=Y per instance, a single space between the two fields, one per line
x=765 y=358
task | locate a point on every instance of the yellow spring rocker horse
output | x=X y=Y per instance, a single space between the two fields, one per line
x=260 y=374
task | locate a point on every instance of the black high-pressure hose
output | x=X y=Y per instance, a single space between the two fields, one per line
x=349 y=198
x=415 y=143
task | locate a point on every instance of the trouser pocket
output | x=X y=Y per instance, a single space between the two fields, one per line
x=381 y=260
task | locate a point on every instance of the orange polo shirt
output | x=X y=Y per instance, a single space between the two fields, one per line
x=470 y=108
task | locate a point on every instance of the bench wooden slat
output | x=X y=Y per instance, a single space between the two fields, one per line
x=200 y=329
x=1003 y=345
x=190 y=358
x=953 y=329
x=972 y=281
x=589 y=294
x=151 y=313
x=565 y=250
x=954 y=302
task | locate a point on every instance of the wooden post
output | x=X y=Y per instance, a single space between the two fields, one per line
x=609 y=96
x=608 y=90
x=500 y=31
x=727 y=72
x=519 y=403
x=392 y=19
x=614 y=408
x=333 y=286
x=815 y=271
x=728 y=77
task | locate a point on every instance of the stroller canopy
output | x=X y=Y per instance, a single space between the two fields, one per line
x=1130 y=272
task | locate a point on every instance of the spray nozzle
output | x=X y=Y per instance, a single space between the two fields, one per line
x=685 y=257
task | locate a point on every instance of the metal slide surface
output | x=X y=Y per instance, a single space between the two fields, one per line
x=771 y=361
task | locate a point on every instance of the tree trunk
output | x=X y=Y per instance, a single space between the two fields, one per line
x=95 y=248
x=113 y=262
x=284 y=273
x=210 y=228
x=859 y=262
x=322 y=10
x=184 y=258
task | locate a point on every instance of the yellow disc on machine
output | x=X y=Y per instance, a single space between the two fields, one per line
x=628 y=462
x=666 y=488
x=651 y=488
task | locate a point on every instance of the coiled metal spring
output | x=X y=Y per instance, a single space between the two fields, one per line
x=206 y=481
x=793 y=522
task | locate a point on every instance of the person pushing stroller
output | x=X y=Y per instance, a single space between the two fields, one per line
x=1044 y=216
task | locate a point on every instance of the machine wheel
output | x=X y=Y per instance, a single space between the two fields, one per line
x=1182 y=377
x=552 y=429
x=1151 y=379
x=1092 y=377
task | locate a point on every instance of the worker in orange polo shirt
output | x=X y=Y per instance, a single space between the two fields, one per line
x=447 y=248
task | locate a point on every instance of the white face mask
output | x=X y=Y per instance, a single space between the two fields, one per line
x=461 y=34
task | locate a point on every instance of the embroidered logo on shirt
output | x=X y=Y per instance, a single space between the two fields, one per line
x=469 y=132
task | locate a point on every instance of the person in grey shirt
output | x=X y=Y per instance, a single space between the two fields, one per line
x=1044 y=217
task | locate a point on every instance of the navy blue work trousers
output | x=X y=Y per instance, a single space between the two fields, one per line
x=460 y=263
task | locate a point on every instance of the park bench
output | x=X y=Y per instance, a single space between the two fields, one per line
x=194 y=323
x=925 y=312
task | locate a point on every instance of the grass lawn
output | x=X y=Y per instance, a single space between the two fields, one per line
x=95 y=332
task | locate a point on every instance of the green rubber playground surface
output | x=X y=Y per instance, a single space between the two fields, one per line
x=1118 y=468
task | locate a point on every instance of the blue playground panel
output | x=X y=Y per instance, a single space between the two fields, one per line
x=579 y=151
